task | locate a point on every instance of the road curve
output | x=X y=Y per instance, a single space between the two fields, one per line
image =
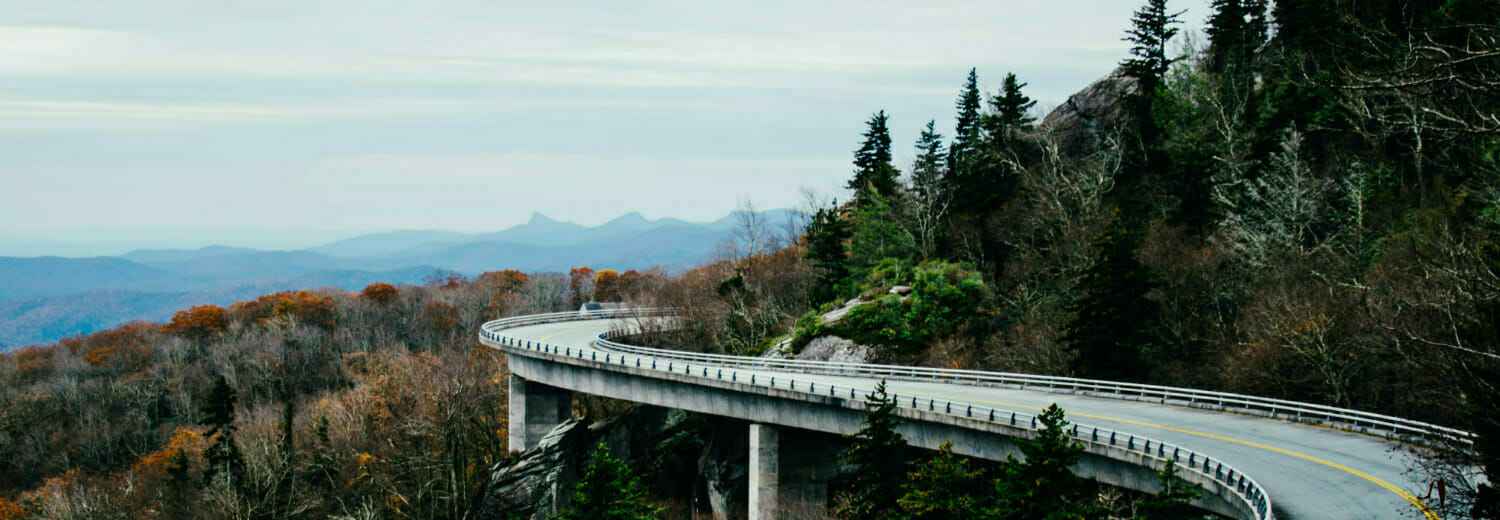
x=1311 y=472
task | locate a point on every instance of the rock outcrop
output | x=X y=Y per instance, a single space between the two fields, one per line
x=1096 y=111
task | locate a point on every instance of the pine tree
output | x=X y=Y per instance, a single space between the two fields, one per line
x=1173 y=501
x=1044 y=485
x=608 y=491
x=880 y=455
x=878 y=234
x=1010 y=110
x=872 y=162
x=224 y=454
x=1151 y=29
x=928 y=169
x=1236 y=31
x=826 y=236
x=1113 y=320
x=943 y=488
x=967 y=134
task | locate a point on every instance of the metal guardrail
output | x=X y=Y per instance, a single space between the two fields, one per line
x=1365 y=422
x=712 y=367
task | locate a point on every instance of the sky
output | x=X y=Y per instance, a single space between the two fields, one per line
x=282 y=124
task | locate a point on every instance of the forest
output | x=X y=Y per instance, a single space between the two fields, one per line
x=1304 y=203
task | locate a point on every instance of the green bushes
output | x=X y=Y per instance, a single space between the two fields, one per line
x=945 y=298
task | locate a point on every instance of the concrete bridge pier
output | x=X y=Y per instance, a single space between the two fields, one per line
x=789 y=471
x=535 y=409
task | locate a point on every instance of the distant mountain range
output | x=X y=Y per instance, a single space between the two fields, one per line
x=43 y=299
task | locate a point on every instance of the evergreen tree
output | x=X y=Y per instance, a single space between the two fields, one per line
x=878 y=234
x=928 y=169
x=224 y=454
x=1010 y=110
x=967 y=134
x=1113 y=321
x=1236 y=31
x=1151 y=29
x=826 y=235
x=872 y=162
x=1173 y=501
x=1044 y=486
x=879 y=455
x=943 y=488
x=608 y=491
x=966 y=130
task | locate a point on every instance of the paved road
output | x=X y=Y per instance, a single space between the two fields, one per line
x=1310 y=472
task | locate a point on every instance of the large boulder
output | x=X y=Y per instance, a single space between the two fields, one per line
x=838 y=350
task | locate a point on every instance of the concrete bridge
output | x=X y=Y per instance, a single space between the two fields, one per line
x=1244 y=450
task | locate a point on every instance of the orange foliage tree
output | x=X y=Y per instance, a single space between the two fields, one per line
x=198 y=323
x=443 y=317
x=380 y=292
x=630 y=282
x=607 y=285
x=307 y=306
x=509 y=280
x=34 y=363
x=580 y=284
x=10 y=510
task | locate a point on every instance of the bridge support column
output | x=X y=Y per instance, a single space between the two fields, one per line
x=535 y=409
x=789 y=471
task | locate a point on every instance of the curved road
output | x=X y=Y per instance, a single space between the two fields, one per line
x=1310 y=472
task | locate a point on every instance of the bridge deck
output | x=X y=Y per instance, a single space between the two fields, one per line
x=1309 y=471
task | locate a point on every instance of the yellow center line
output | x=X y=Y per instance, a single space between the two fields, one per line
x=1382 y=483
x=1376 y=480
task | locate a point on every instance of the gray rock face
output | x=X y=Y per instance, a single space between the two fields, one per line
x=1097 y=110
x=697 y=460
x=838 y=350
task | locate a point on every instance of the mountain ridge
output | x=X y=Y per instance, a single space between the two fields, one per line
x=57 y=292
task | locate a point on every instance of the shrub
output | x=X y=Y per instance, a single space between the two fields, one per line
x=881 y=322
x=945 y=296
x=809 y=326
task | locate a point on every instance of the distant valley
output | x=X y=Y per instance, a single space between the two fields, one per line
x=43 y=299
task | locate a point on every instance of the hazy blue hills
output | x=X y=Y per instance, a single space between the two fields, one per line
x=49 y=275
x=47 y=298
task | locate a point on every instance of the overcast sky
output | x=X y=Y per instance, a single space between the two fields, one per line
x=289 y=123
